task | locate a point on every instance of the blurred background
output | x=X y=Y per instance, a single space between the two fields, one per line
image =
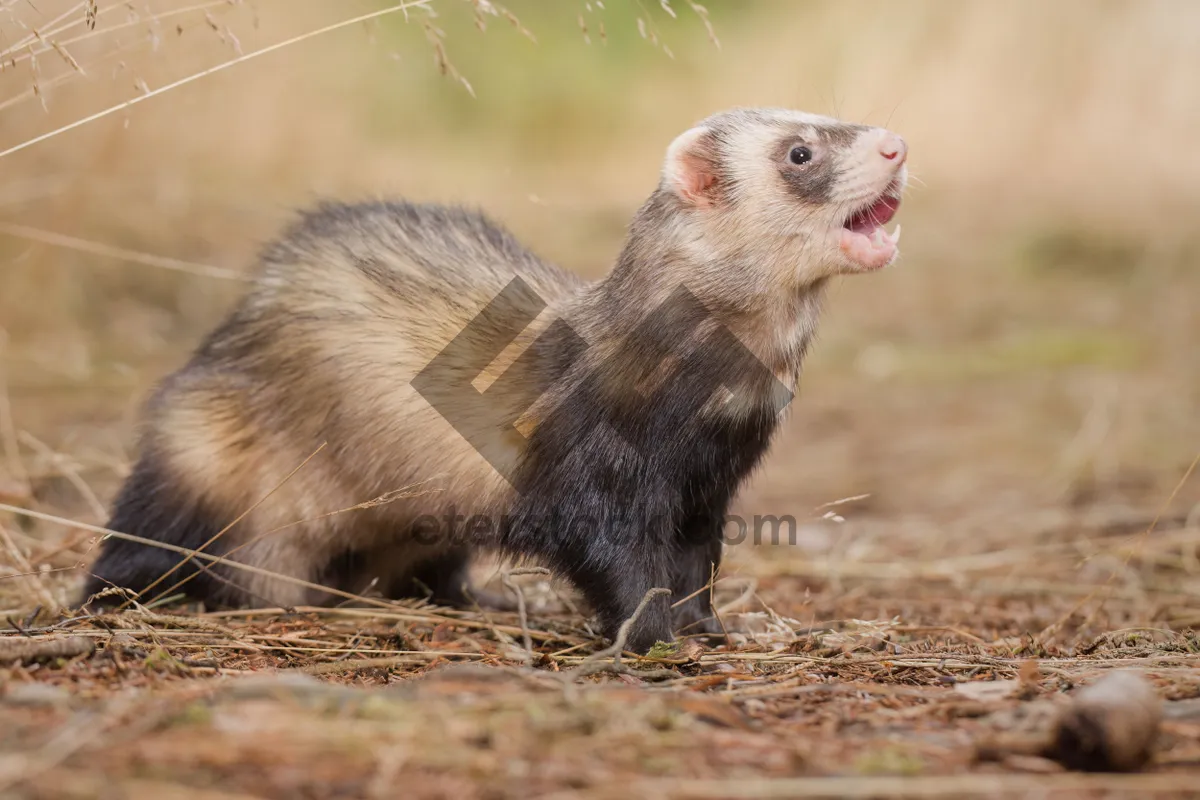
x=1032 y=357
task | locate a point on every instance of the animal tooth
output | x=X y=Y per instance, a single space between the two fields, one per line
x=877 y=237
x=896 y=234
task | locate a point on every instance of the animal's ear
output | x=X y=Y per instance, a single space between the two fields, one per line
x=690 y=169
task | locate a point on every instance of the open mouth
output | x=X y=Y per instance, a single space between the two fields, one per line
x=863 y=238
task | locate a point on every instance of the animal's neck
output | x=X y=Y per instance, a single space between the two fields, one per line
x=666 y=265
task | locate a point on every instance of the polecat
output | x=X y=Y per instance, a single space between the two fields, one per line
x=470 y=395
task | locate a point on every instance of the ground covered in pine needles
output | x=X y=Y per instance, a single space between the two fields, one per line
x=813 y=693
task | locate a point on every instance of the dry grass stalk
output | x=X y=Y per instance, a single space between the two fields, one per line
x=193 y=554
x=32 y=578
x=42 y=649
x=40 y=87
x=65 y=467
x=400 y=7
x=227 y=528
x=507 y=579
x=121 y=253
x=8 y=428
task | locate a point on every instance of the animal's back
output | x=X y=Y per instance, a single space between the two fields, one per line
x=348 y=307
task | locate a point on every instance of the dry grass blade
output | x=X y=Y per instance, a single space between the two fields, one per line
x=96 y=529
x=226 y=529
x=1109 y=584
x=31 y=37
x=391 y=496
x=66 y=56
x=68 y=470
x=400 y=7
x=597 y=662
x=397 y=613
x=32 y=578
x=507 y=578
x=383 y=499
x=702 y=13
x=124 y=254
x=8 y=429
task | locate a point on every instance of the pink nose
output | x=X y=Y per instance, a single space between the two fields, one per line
x=892 y=147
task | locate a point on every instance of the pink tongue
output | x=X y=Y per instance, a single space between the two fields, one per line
x=879 y=213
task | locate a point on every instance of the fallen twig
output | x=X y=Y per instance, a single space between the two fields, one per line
x=26 y=650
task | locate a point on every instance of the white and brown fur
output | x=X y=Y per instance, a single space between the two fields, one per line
x=354 y=301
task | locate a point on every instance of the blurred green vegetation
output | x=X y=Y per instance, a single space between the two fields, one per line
x=1048 y=242
x=1085 y=253
x=562 y=75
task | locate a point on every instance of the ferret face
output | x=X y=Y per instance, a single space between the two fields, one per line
x=802 y=194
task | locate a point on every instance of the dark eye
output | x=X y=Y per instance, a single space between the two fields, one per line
x=800 y=155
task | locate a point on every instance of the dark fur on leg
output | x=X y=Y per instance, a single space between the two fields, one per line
x=602 y=500
x=613 y=541
x=614 y=584
x=152 y=506
x=696 y=564
x=701 y=545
